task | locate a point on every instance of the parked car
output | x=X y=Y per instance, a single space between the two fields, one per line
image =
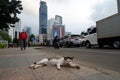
x=82 y=41
x=10 y=44
x=72 y=40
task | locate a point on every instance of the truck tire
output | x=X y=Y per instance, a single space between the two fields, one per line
x=88 y=45
x=116 y=44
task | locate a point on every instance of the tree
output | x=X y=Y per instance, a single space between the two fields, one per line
x=32 y=36
x=15 y=40
x=88 y=30
x=5 y=36
x=8 y=13
x=84 y=33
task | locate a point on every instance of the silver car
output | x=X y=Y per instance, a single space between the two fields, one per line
x=72 y=40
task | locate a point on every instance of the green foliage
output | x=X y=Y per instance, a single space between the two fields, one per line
x=8 y=13
x=31 y=36
x=5 y=36
x=88 y=30
x=3 y=45
x=15 y=41
x=84 y=33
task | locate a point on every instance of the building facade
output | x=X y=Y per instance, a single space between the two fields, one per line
x=28 y=30
x=15 y=31
x=55 y=28
x=58 y=19
x=51 y=22
x=58 y=30
x=43 y=18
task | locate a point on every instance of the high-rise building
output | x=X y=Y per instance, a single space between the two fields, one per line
x=28 y=30
x=51 y=22
x=55 y=28
x=43 y=18
x=14 y=32
x=58 y=30
x=58 y=19
x=42 y=22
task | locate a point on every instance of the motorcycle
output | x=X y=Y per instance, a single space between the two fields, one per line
x=56 y=45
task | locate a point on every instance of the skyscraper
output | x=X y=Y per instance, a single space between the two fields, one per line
x=58 y=19
x=14 y=32
x=28 y=30
x=55 y=28
x=51 y=22
x=43 y=18
x=58 y=30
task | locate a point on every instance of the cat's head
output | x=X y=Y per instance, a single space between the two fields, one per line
x=68 y=59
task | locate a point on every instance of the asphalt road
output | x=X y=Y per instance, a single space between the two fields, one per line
x=106 y=58
x=14 y=64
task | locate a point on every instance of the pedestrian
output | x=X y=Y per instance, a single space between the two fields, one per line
x=23 y=39
x=29 y=43
x=56 y=42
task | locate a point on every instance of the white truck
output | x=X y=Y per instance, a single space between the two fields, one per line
x=106 y=32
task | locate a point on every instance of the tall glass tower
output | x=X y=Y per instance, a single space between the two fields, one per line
x=43 y=18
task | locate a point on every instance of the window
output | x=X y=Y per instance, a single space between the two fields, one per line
x=93 y=31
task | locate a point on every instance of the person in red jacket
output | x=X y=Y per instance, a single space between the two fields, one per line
x=23 y=37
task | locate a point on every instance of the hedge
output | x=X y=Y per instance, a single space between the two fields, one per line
x=3 y=45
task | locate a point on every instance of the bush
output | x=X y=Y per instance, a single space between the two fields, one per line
x=3 y=45
x=5 y=36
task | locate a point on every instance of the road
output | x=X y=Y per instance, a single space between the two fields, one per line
x=14 y=64
x=97 y=58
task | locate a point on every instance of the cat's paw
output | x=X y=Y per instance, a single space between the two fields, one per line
x=34 y=68
x=59 y=69
x=30 y=66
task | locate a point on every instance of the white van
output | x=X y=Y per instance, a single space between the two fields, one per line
x=91 y=38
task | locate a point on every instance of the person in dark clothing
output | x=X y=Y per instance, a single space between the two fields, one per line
x=56 y=43
x=28 y=43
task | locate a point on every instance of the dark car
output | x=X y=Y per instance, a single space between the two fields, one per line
x=10 y=44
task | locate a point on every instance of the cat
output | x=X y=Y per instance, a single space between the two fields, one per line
x=57 y=61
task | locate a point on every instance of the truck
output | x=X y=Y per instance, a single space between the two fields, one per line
x=106 y=32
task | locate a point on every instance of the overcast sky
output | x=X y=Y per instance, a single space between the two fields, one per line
x=77 y=15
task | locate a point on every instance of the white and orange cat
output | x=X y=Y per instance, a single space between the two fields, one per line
x=57 y=61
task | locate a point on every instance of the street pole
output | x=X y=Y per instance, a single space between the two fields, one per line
x=118 y=5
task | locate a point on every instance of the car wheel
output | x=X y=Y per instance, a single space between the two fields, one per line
x=116 y=44
x=88 y=45
x=83 y=43
x=67 y=44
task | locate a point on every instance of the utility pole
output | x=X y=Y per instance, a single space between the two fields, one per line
x=118 y=5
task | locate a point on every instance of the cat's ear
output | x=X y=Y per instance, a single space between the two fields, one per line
x=65 y=57
x=72 y=57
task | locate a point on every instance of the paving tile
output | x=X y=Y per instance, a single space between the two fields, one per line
x=18 y=73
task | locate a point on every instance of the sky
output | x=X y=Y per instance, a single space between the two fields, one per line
x=78 y=15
